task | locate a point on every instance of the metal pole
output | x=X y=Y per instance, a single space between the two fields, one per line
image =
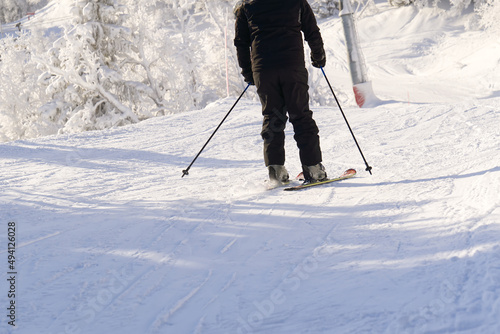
x=362 y=87
x=356 y=61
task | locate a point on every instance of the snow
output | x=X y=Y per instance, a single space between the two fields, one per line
x=111 y=239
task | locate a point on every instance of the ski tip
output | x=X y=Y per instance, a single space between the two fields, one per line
x=350 y=171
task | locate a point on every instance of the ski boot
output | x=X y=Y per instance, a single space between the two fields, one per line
x=314 y=173
x=278 y=174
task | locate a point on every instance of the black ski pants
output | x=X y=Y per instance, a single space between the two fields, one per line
x=283 y=91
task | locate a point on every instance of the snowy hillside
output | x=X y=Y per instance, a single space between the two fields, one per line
x=110 y=239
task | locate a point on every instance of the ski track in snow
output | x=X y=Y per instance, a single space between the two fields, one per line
x=130 y=240
x=111 y=239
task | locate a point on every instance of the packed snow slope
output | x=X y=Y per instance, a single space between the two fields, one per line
x=110 y=239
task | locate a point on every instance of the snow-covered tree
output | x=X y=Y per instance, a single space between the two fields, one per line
x=11 y=10
x=325 y=8
x=83 y=70
x=153 y=62
x=185 y=51
x=181 y=43
x=220 y=15
x=20 y=96
x=489 y=12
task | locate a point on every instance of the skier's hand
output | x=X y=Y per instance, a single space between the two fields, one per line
x=318 y=60
x=248 y=77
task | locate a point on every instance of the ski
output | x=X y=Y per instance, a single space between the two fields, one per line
x=346 y=175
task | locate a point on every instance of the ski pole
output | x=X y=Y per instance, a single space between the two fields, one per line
x=368 y=167
x=186 y=171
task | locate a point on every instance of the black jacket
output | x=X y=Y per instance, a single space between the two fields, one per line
x=268 y=34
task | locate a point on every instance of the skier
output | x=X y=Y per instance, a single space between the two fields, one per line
x=270 y=52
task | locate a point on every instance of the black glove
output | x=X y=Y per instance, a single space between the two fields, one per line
x=248 y=76
x=318 y=60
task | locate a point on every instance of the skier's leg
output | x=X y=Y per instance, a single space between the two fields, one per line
x=295 y=92
x=273 y=110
